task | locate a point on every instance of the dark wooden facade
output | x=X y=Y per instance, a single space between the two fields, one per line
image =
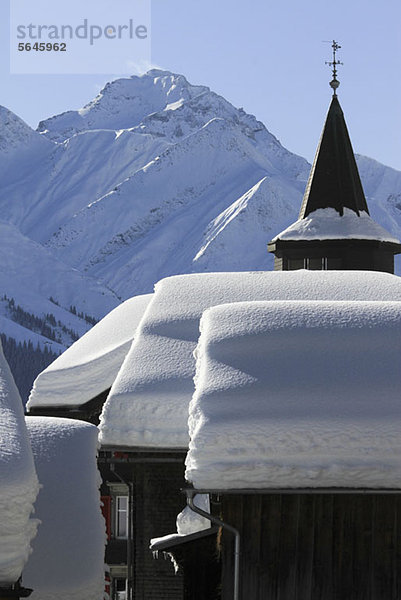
x=197 y=557
x=14 y=592
x=320 y=546
x=156 y=478
x=345 y=254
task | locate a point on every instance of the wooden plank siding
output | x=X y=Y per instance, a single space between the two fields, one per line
x=270 y=528
x=314 y=546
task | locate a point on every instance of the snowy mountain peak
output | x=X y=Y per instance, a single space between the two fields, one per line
x=123 y=103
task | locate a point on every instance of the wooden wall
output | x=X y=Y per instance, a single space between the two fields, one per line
x=352 y=254
x=314 y=547
x=156 y=502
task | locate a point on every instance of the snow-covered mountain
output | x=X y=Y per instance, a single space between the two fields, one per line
x=154 y=177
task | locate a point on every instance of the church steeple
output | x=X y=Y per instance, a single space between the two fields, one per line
x=334 y=180
x=334 y=229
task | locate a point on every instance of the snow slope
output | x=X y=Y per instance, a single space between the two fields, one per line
x=18 y=482
x=32 y=276
x=67 y=561
x=149 y=211
x=155 y=383
x=19 y=144
x=382 y=186
x=80 y=171
x=22 y=259
x=335 y=422
x=90 y=365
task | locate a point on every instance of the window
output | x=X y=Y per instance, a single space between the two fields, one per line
x=333 y=264
x=295 y=263
x=315 y=264
x=122 y=516
x=120 y=589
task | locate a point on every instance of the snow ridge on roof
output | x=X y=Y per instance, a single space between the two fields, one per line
x=18 y=482
x=91 y=364
x=297 y=394
x=328 y=224
x=67 y=562
x=148 y=402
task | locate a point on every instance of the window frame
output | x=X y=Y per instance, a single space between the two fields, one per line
x=117 y=512
x=117 y=592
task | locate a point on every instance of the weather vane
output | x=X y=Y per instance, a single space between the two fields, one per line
x=334 y=83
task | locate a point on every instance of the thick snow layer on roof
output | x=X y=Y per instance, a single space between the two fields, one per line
x=91 y=364
x=18 y=482
x=297 y=394
x=67 y=562
x=148 y=402
x=328 y=224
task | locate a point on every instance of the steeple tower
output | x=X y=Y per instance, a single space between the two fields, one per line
x=334 y=179
x=334 y=229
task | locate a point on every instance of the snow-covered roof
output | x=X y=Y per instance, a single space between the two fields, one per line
x=297 y=394
x=91 y=364
x=67 y=561
x=328 y=224
x=148 y=402
x=18 y=482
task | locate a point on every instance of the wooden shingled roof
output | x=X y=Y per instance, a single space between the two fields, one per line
x=334 y=180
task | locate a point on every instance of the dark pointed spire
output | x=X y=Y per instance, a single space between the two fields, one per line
x=334 y=180
x=326 y=240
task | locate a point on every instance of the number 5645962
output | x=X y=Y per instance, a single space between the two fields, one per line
x=42 y=47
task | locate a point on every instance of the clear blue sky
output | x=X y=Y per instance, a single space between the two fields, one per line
x=264 y=55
